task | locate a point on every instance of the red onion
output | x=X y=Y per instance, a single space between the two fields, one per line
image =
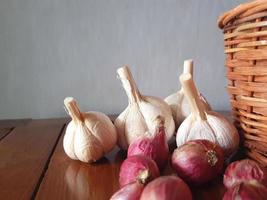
x=154 y=147
x=246 y=191
x=198 y=161
x=139 y=168
x=131 y=191
x=166 y=188
x=240 y=171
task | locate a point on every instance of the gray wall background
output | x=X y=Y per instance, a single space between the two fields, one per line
x=56 y=48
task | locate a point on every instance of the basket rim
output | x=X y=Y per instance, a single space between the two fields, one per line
x=241 y=11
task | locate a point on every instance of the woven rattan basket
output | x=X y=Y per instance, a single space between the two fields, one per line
x=245 y=41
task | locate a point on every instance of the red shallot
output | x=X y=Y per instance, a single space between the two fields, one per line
x=138 y=167
x=240 y=171
x=166 y=188
x=246 y=191
x=131 y=191
x=198 y=161
x=154 y=146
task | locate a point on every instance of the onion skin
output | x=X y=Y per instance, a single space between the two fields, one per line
x=166 y=188
x=154 y=147
x=198 y=161
x=240 y=171
x=138 y=168
x=246 y=191
x=131 y=191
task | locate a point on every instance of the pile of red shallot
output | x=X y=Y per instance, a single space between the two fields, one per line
x=139 y=173
x=196 y=162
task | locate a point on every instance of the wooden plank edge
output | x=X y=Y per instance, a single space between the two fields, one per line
x=5 y=133
x=46 y=166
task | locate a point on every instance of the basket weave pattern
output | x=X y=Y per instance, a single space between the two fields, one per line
x=245 y=41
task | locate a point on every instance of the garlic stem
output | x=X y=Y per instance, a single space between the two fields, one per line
x=188 y=67
x=192 y=96
x=129 y=84
x=73 y=109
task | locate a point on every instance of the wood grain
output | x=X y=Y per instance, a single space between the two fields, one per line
x=69 y=179
x=24 y=154
x=6 y=126
x=34 y=165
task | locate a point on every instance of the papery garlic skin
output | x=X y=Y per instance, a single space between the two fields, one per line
x=178 y=102
x=89 y=135
x=204 y=124
x=228 y=138
x=192 y=129
x=180 y=107
x=139 y=116
x=68 y=141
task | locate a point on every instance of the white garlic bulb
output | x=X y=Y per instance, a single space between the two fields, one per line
x=204 y=124
x=89 y=135
x=177 y=101
x=140 y=114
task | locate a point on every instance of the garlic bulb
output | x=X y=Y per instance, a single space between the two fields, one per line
x=204 y=124
x=140 y=114
x=89 y=135
x=177 y=101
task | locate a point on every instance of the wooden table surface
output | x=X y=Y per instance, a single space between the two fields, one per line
x=33 y=165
